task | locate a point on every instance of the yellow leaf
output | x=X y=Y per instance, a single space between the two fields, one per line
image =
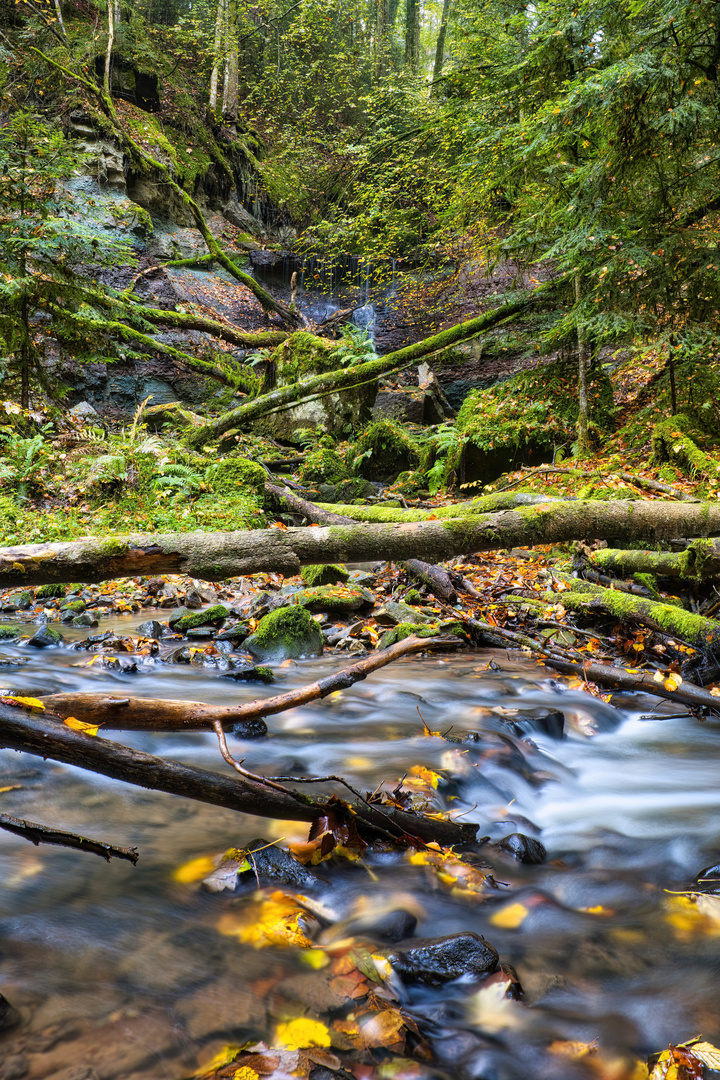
x=245 y=1073
x=81 y=726
x=672 y=682
x=315 y=958
x=10 y=787
x=28 y=702
x=194 y=870
x=708 y=1054
x=273 y=920
x=301 y=1033
x=510 y=917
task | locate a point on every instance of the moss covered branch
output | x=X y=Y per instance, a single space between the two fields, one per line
x=700 y=560
x=672 y=442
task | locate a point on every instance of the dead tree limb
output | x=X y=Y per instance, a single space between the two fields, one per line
x=216 y=556
x=644 y=682
x=333 y=381
x=47 y=738
x=41 y=834
x=166 y=714
x=309 y=510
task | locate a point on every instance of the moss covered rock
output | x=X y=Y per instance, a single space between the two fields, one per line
x=334 y=598
x=325 y=574
x=299 y=357
x=236 y=475
x=50 y=592
x=404 y=630
x=8 y=632
x=524 y=419
x=383 y=451
x=323 y=467
x=209 y=617
x=19 y=601
x=287 y=633
x=76 y=606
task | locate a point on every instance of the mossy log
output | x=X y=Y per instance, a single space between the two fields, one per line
x=333 y=381
x=700 y=561
x=224 y=331
x=485 y=504
x=665 y=618
x=214 y=556
x=47 y=737
x=671 y=441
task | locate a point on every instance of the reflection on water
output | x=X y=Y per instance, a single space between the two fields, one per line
x=122 y=970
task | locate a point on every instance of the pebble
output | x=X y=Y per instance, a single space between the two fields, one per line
x=523 y=848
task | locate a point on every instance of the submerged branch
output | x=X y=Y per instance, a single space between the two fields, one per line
x=41 y=834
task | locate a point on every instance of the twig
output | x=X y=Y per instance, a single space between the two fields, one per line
x=41 y=834
x=237 y=765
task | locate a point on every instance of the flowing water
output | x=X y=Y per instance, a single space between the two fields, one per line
x=121 y=971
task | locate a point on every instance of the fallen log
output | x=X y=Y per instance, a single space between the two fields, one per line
x=49 y=738
x=116 y=713
x=700 y=560
x=333 y=381
x=309 y=510
x=42 y=834
x=437 y=580
x=642 y=682
x=216 y=556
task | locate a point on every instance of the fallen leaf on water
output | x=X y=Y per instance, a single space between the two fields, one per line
x=194 y=870
x=273 y=920
x=463 y=878
x=81 y=726
x=677 y=1063
x=301 y=1033
x=510 y=917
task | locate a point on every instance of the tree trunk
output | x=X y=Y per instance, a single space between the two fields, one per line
x=216 y=556
x=230 y=102
x=583 y=443
x=220 y=16
x=381 y=38
x=110 y=42
x=331 y=382
x=440 y=47
x=59 y=15
x=412 y=35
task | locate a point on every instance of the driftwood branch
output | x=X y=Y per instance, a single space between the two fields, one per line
x=166 y=714
x=41 y=834
x=46 y=737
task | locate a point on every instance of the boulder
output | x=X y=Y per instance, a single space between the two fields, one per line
x=45 y=638
x=325 y=574
x=287 y=633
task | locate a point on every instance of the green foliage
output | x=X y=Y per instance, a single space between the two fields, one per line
x=323 y=467
x=236 y=475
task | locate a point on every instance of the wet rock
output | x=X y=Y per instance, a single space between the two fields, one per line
x=14 y=1067
x=151 y=629
x=269 y=864
x=242 y=671
x=236 y=633
x=361 y=578
x=45 y=638
x=9 y=1015
x=523 y=848
x=334 y=598
x=75 y=605
x=176 y=615
x=192 y=620
x=709 y=879
x=19 y=601
x=546 y=722
x=253 y=728
x=86 y=619
x=225 y=1008
x=392 y=926
x=288 y=633
x=201 y=633
x=98 y=639
x=434 y=961
x=8 y=633
x=154 y=585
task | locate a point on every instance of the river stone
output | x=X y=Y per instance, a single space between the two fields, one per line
x=193 y=619
x=288 y=633
x=394 y=612
x=242 y=671
x=236 y=633
x=201 y=633
x=523 y=848
x=275 y=866
x=435 y=961
x=151 y=629
x=252 y=728
x=324 y=574
x=19 y=601
x=546 y=722
x=85 y=619
x=46 y=637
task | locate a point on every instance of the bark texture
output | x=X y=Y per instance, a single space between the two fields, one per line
x=216 y=556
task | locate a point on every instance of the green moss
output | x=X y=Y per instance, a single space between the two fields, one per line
x=383 y=451
x=672 y=441
x=333 y=598
x=50 y=592
x=74 y=605
x=113 y=548
x=413 y=597
x=288 y=632
x=235 y=475
x=8 y=632
x=324 y=574
x=208 y=617
x=299 y=355
x=404 y=630
x=264 y=674
x=323 y=467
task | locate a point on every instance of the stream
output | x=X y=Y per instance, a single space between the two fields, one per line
x=121 y=971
